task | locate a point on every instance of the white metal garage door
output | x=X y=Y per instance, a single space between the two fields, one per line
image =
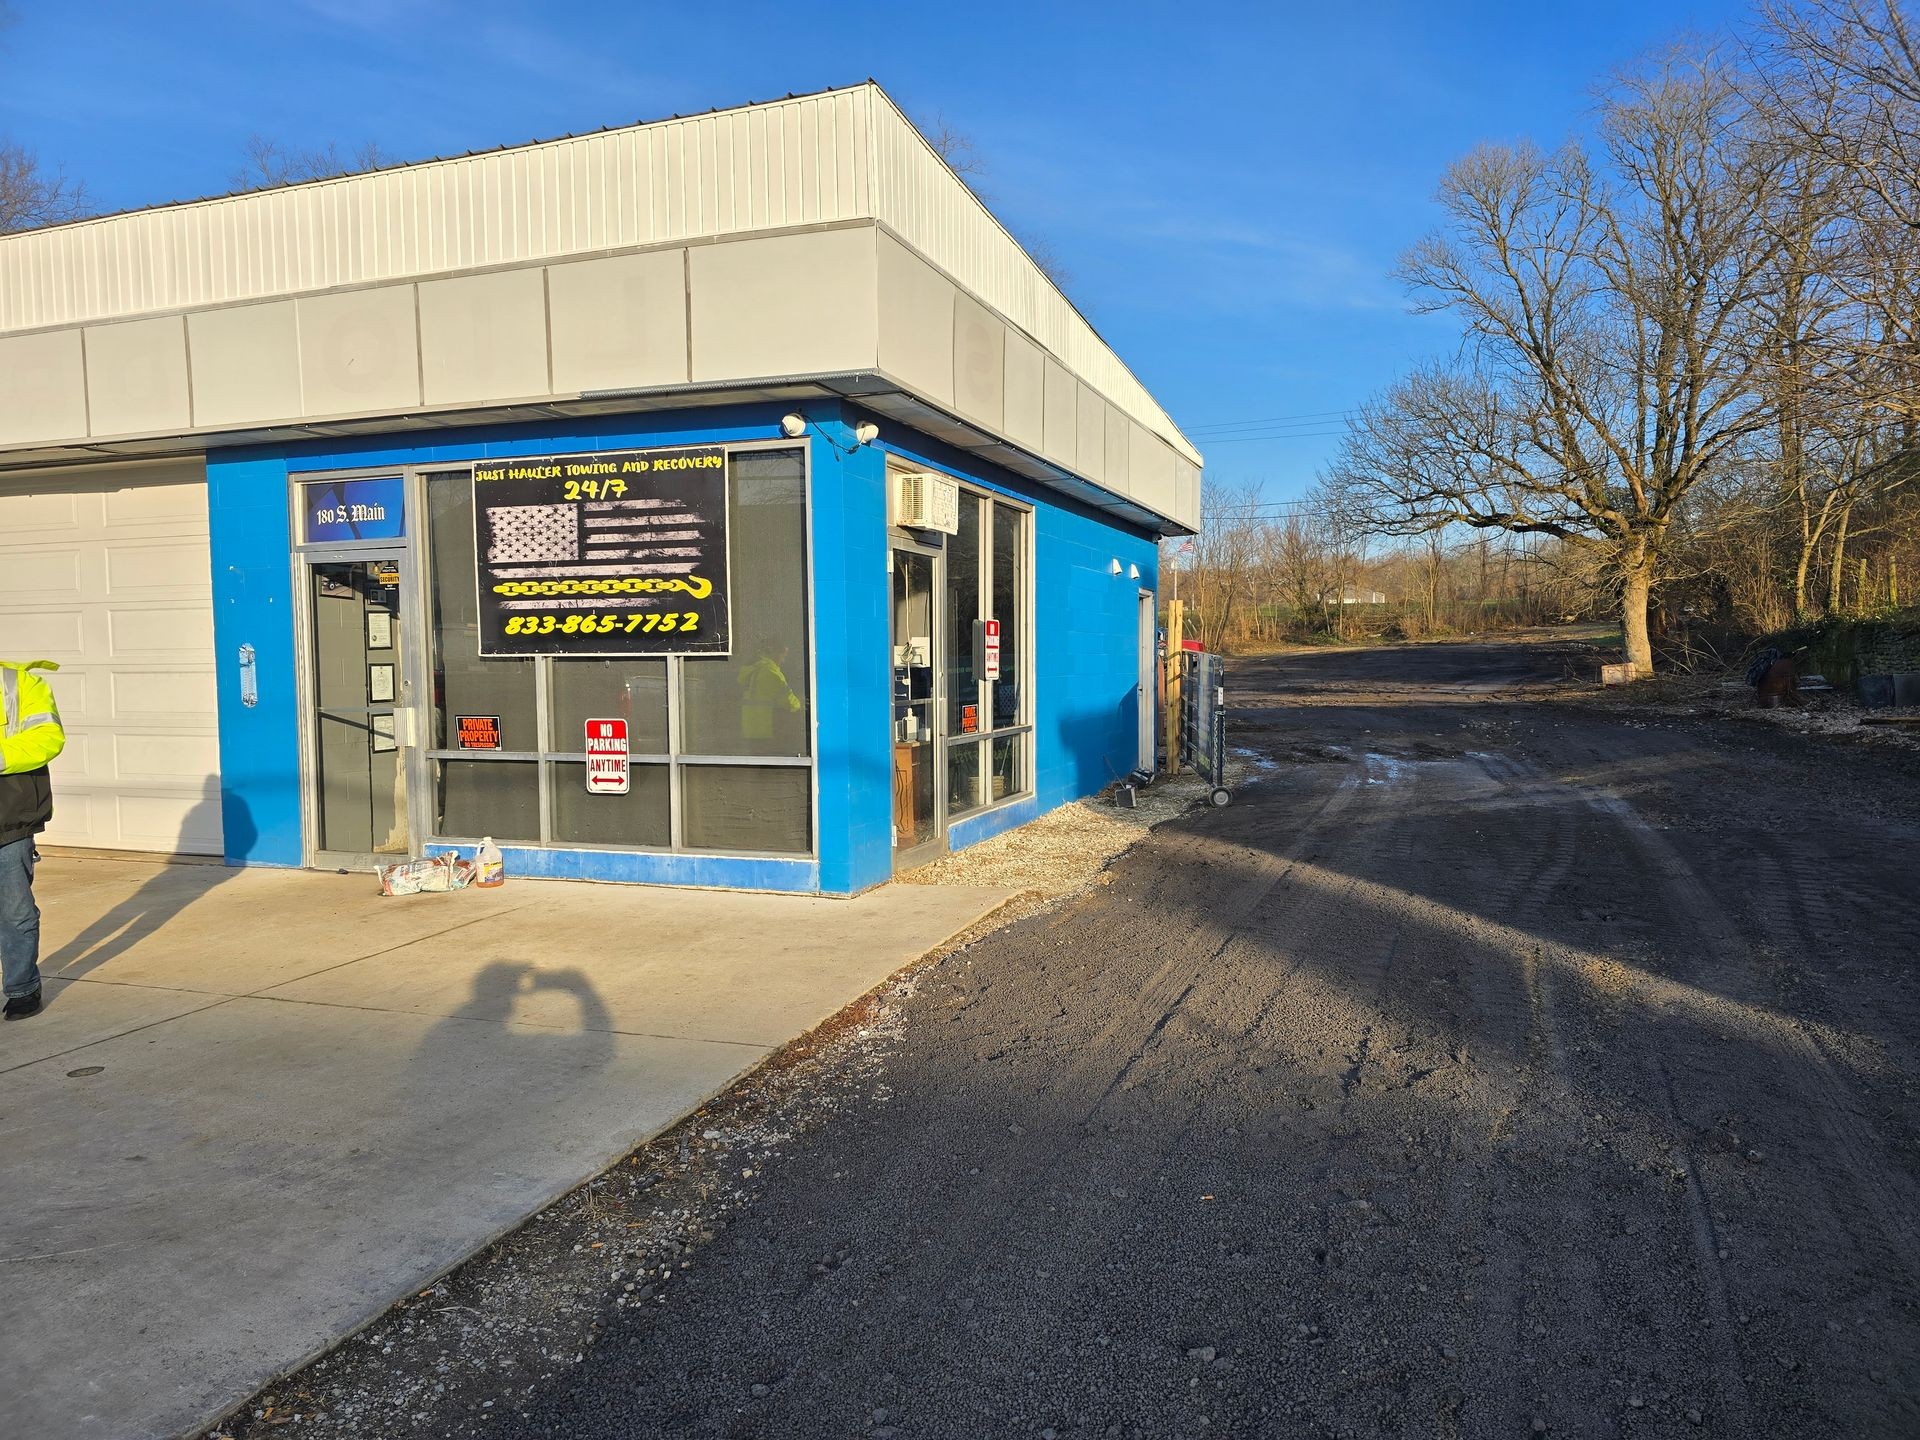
x=105 y=570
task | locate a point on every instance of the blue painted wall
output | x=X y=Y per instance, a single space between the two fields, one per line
x=250 y=538
x=1085 y=662
x=855 y=679
x=1086 y=636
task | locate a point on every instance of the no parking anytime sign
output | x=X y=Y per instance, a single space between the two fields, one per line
x=607 y=757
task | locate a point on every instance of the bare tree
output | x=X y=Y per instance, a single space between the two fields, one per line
x=1842 y=79
x=269 y=164
x=1610 y=357
x=1224 y=556
x=1305 y=566
x=953 y=145
x=31 y=195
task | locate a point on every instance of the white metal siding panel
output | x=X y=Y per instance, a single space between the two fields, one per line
x=842 y=156
x=105 y=571
x=792 y=162
x=915 y=194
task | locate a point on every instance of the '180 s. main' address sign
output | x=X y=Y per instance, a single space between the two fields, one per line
x=618 y=553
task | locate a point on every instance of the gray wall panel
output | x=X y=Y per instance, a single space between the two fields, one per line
x=619 y=323
x=137 y=376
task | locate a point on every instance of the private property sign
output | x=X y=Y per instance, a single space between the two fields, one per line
x=607 y=757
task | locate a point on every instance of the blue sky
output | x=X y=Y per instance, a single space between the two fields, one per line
x=1228 y=185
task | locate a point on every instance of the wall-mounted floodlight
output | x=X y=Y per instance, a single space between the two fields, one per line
x=1113 y=567
x=1133 y=572
x=865 y=433
x=793 y=425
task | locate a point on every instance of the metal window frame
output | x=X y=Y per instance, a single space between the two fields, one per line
x=418 y=637
x=1025 y=629
x=936 y=844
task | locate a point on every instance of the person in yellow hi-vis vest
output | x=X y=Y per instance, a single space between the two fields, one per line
x=765 y=695
x=30 y=736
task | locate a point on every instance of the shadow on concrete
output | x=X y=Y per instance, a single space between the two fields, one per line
x=169 y=891
x=449 y=1049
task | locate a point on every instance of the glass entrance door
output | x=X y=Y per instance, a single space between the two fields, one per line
x=358 y=689
x=919 y=816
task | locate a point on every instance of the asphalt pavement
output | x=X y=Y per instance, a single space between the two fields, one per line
x=1500 y=1063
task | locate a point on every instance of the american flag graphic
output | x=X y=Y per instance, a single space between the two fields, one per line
x=596 y=540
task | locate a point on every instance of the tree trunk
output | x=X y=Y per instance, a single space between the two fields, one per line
x=1635 y=594
x=1837 y=573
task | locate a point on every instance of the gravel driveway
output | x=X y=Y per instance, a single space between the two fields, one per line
x=1495 y=1065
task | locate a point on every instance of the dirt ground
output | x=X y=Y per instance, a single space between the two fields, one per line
x=1503 y=1061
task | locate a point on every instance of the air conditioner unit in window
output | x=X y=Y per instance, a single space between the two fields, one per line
x=925 y=501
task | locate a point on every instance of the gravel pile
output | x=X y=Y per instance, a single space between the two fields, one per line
x=1068 y=850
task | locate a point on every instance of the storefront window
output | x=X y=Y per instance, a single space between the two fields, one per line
x=1009 y=608
x=463 y=683
x=963 y=617
x=500 y=798
x=638 y=819
x=747 y=807
x=988 y=578
x=634 y=690
x=963 y=777
x=754 y=703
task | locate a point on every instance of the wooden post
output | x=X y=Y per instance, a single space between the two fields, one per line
x=1176 y=634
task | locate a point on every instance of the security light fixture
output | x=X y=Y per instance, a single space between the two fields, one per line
x=793 y=425
x=1113 y=566
x=1133 y=572
x=865 y=433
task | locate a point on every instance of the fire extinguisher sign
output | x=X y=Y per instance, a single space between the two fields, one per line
x=607 y=757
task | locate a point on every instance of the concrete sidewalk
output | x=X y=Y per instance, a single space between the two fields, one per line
x=263 y=1105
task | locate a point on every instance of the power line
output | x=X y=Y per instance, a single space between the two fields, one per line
x=1269 y=420
x=1210 y=440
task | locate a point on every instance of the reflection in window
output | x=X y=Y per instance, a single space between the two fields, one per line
x=473 y=798
x=463 y=683
x=631 y=689
x=637 y=818
x=748 y=807
x=1009 y=766
x=963 y=615
x=1009 y=608
x=754 y=701
x=963 y=778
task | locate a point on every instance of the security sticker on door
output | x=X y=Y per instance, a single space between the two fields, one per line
x=607 y=772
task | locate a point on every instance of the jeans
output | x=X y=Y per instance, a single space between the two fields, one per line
x=19 y=919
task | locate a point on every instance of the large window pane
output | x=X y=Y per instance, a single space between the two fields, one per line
x=963 y=611
x=638 y=817
x=1009 y=775
x=500 y=798
x=748 y=807
x=963 y=778
x=1009 y=608
x=463 y=683
x=754 y=702
x=631 y=689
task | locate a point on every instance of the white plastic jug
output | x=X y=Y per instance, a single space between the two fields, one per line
x=489 y=865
